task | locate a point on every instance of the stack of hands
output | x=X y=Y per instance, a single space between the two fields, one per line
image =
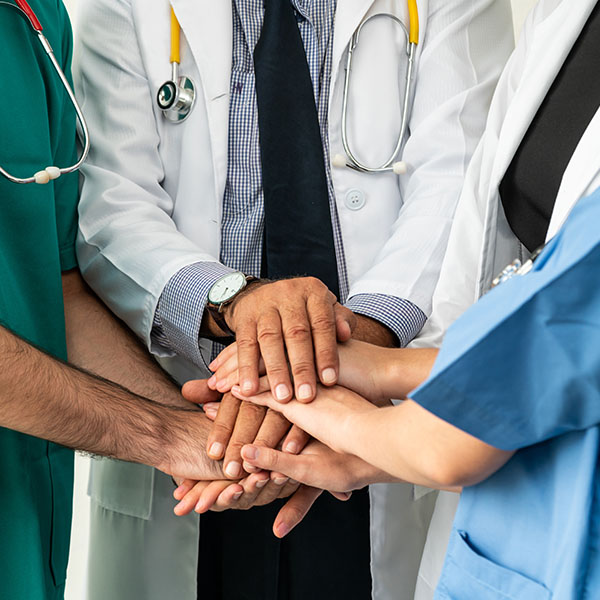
x=280 y=399
x=270 y=447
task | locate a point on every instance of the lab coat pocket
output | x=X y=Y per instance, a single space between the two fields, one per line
x=468 y=574
x=122 y=487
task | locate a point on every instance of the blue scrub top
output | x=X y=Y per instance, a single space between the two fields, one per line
x=521 y=371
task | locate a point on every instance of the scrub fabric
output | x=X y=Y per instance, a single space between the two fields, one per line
x=37 y=236
x=521 y=371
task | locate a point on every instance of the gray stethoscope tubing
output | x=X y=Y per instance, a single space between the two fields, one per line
x=54 y=172
x=391 y=164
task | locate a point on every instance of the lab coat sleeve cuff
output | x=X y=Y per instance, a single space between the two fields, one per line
x=178 y=315
x=401 y=316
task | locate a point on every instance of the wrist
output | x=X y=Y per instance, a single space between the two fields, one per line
x=228 y=310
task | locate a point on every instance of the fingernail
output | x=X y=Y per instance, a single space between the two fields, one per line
x=328 y=376
x=282 y=392
x=233 y=469
x=250 y=453
x=216 y=450
x=221 y=385
x=291 y=448
x=213 y=364
x=237 y=495
x=305 y=391
x=211 y=382
x=247 y=387
x=262 y=483
x=281 y=480
x=236 y=389
x=282 y=529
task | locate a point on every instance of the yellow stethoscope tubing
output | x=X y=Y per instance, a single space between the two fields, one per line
x=175 y=38
x=412 y=38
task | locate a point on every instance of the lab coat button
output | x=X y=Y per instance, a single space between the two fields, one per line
x=355 y=199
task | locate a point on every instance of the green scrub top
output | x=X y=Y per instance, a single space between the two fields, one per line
x=37 y=237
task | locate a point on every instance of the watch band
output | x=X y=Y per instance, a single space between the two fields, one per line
x=217 y=314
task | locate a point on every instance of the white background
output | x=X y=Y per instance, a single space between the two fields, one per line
x=79 y=542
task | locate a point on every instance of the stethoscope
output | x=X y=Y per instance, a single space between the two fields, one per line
x=176 y=97
x=50 y=173
x=412 y=40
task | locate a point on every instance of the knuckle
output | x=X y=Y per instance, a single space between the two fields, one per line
x=297 y=331
x=303 y=367
x=268 y=334
x=323 y=322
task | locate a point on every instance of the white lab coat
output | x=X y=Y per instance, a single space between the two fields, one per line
x=481 y=243
x=152 y=197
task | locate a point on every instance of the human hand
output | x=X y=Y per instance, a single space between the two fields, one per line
x=237 y=423
x=299 y=317
x=318 y=466
x=330 y=417
x=363 y=368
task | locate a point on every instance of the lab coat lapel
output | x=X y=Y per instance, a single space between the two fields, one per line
x=207 y=26
x=554 y=38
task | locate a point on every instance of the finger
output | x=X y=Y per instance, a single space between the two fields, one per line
x=223 y=356
x=184 y=487
x=321 y=314
x=262 y=399
x=247 y=425
x=272 y=350
x=342 y=496
x=252 y=486
x=189 y=500
x=295 y=440
x=211 y=410
x=248 y=356
x=299 y=344
x=222 y=428
x=272 y=430
x=345 y=322
x=211 y=493
x=294 y=510
x=295 y=466
x=197 y=391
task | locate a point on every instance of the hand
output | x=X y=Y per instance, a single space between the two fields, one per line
x=254 y=490
x=328 y=418
x=238 y=423
x=364 y=369
x=317 y=466
x=300 y=317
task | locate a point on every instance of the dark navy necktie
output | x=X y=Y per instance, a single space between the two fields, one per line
x=298 y=232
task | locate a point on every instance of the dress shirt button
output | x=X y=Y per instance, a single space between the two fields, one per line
x=355 y=199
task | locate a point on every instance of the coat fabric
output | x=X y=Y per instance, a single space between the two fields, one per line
x=481 y=243
x=152 y=199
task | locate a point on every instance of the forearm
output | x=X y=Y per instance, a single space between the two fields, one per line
x=98 y=342
x=373 y=332
x=413 y=445
x=46 y=398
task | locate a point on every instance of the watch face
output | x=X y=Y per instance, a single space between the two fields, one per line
x=226 y=288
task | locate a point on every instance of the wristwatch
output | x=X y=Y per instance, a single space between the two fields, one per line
x=222 y=292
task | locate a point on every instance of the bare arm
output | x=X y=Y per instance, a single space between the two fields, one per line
x=98 y=342
x=46 y=398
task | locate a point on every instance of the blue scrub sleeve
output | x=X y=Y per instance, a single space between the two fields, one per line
x=523 y=364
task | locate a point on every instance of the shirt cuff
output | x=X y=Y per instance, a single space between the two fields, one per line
x=401 y=316
x=178 y=315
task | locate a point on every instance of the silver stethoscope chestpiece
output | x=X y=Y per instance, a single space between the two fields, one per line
x=176 y=99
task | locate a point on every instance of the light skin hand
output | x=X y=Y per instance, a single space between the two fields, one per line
x=374 y=372
x=318 y=466
x=297 y=320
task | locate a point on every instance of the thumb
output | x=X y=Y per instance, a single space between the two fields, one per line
x=198 y=392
